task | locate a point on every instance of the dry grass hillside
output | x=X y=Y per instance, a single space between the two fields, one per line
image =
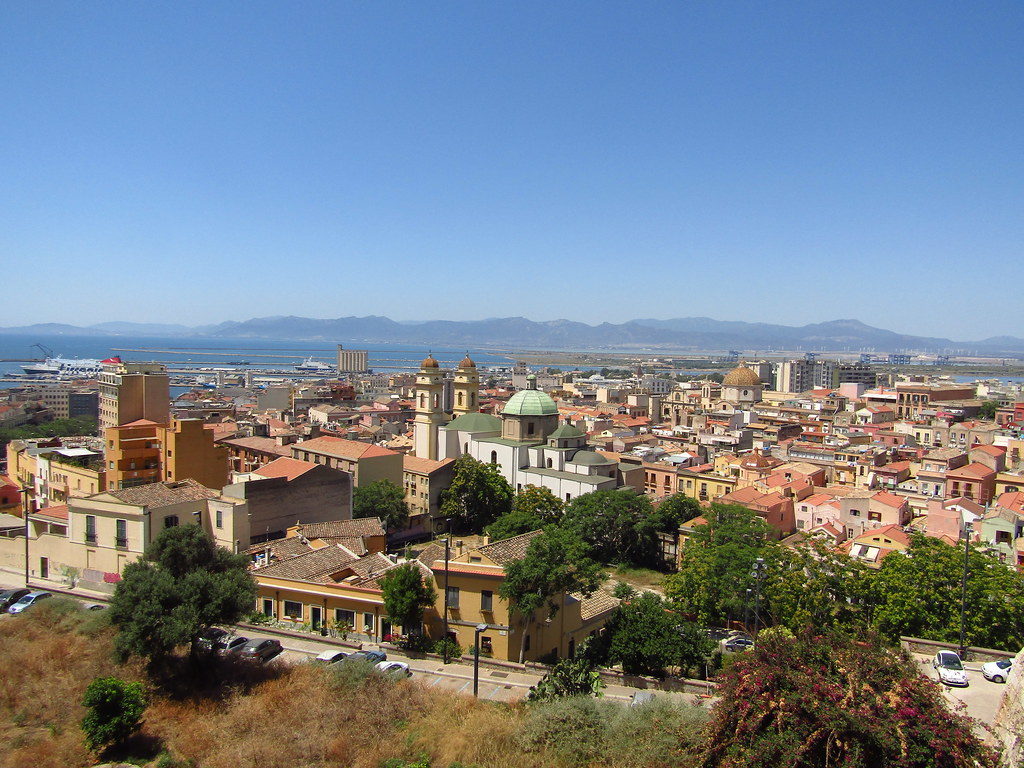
x=308 y=716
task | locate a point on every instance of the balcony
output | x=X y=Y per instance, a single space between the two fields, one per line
x=90 y=538
x=121 y=543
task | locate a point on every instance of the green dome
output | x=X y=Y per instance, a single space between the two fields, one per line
x=530 y=402
x=565 y=432
x=590 y=458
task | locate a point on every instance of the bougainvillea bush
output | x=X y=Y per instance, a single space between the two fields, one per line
x=836 y=701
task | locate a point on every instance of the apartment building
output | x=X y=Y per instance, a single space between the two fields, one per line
x=133 y=391
x=366 y=463
x=143 y=452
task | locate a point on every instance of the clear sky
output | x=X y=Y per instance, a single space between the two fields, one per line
x=786 y=162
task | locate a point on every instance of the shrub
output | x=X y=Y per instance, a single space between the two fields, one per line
x=454 y=649
x=351 y=674
x=115 y=710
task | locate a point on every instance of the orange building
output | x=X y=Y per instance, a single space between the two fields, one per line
x=144 y=451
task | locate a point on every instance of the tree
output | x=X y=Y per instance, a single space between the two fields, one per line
x=716 y=562
x=555 y=562
x=988 y=409
x=182 y=585
x=835 y=701
x=918 y=593
x=406 y=595
x=674 y=510
x=114 y=713
x=569 y=677
x=645 y=637
x=478 y=495
x=617 y=524
x=383 y=499
x=532 y=508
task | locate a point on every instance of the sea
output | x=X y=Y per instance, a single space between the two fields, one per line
x=240 y=354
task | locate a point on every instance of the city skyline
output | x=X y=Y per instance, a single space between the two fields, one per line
x=790 y=167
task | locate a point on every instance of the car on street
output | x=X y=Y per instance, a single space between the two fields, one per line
x=396 y=668
x=230 y=645
x=372 y=657
x=997 y=671
x=95 y=606
x=740 y=643
x=718 y=633
x=331 y=656
x=949 y=668
x=260 y=649
x=27 y=601
x=210 y=636
x=10 y=596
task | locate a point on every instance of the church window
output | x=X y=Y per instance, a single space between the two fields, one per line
x=460 y=398
x=529 y=427
x=423 y=401
x=435 y=401
x=472 y=399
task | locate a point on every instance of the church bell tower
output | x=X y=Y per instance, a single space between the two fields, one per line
x=429 y=411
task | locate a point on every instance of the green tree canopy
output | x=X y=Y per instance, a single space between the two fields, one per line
x=406 y=595
x=556 y=562
x=646 y=638
x=835 y=701
x=988 y=409
x=478 y=495
x=569 y=677
x=182 y=585
x=383 y=499
x=114 y=710
x=674 y=510
x=918 y=593
x=716 y=562
x=617 y=524
x=532 y=508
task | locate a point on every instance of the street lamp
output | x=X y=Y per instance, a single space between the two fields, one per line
x=758 y=574
x=968 y=527
x=476 y=657
x=447 y=555
x=24 y=511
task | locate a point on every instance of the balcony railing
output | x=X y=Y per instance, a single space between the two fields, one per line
x=90 y=538
x=121 y=543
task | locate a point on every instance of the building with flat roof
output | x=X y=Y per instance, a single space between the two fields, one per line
x=133 y=391
x=352 y=360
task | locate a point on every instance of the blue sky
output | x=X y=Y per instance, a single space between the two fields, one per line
x=784 y=162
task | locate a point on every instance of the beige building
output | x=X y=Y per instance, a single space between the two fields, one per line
x=352 y=360
x=423 y=481
x=366 y=463
x=133 y=391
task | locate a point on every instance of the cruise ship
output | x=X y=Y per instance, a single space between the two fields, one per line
x=62 y=368
x=309 y=365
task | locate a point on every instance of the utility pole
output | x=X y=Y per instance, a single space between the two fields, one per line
x=758 y=574
x=447 y=556
x=24 y=510
x=968 y=527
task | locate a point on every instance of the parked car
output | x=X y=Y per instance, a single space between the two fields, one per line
x=262 y=649
x=230 y=645
x=94 y=606
x=718 y=633
x=210 y=636
x=736 y=644
x=28 y=601
x=373 y=657
x=950 y=668
x=997 y=671
x=10 y=596
x=331 y=656
x=396 y=668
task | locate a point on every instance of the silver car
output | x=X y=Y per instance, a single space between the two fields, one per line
x=28 y=601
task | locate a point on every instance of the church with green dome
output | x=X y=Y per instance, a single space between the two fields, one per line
x=527 y=441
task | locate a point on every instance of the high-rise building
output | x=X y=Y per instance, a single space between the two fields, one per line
x=352 y=360
x=133 y=391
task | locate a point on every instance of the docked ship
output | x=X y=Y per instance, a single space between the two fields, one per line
x=63 y=368
x=309 y=365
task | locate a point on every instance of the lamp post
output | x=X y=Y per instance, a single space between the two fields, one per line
x=476 y=657
x=447 y=555
x=758 y=573
x=968 y=527
x=24 y=511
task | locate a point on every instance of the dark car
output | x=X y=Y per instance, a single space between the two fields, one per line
x=210 y=636
x=739 y=644
x=230 y=645
x=10 y=596
x=263 y=649
x=370 y=657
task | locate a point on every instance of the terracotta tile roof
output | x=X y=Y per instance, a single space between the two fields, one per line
x=137 y=423
x=423 y=466
x=280 y=549
x=991 y=450
x=356 y=528
x=507 y=550
x=164 y=494
x=1011 y=500
x=433 y=551
x=891 y=531
x=258 y=445
x=889 y=499
x=5 y=481
x=817 y=498
x=341 y=448
x=973 y=471
x=57 y=513
x=285 y=467
x=314 y=565
x=598 y=604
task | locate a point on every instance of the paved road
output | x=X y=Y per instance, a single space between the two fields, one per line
x=981 y=697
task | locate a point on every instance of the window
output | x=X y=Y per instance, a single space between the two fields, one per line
x=453 y=597
x=854 y=513
x=348 y=618
x=293 y=610
x=121 y=537
x=485 y=644
x=268 y=607
x=90 y=529
x=220 y=518
x=486 y=600
x=170 y=521
x=529 y=427
x=368 y=623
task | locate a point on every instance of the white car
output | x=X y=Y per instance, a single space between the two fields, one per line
x=397 y=668
x=950 y=668
x=997 y=671
x=330 y=656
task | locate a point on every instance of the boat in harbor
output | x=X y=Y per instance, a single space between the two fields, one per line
x=65 y=368
x=309 y=365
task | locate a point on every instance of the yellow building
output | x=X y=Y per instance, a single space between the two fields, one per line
x=133 y=391
x=703 y=484
x=143 y=452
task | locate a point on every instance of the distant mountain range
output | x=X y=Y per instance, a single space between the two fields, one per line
x=683 y=333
